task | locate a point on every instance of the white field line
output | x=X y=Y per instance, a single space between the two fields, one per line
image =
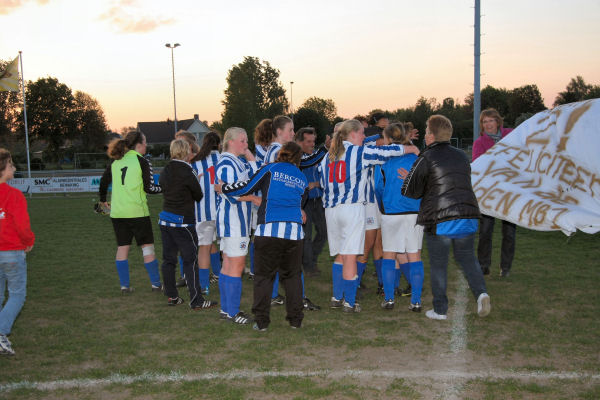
x=174 y=376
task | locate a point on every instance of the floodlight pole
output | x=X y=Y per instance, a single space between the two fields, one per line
x=173 y=69
x=477 y=77
x=292 y=99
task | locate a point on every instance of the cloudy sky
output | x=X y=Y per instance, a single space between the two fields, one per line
x=362 y=54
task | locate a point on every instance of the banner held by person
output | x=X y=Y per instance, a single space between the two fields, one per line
x=545 y=175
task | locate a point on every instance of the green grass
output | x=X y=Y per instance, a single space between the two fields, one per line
x=76 y=325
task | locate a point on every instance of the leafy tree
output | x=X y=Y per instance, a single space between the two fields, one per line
x=577 y=90
x=50 y=114
x=253 y=92
x=310 y=117
x=524 y=99
x=91 y=129
x=325 y=107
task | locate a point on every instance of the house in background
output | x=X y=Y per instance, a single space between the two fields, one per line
x=164 y=131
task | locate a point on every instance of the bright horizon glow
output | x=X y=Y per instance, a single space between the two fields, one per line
x=383 y=54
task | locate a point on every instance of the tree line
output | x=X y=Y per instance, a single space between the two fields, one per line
x=69 y=122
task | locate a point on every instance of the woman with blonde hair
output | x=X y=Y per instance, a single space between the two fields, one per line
x=343 y=176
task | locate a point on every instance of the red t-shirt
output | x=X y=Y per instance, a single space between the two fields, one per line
x=15 y=229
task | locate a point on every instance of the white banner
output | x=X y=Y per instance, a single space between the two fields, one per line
x=61 y=184
x=545 y=175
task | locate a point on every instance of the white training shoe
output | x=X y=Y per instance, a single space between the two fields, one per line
x=483 y=305
x=6 y=346
x=433 y=315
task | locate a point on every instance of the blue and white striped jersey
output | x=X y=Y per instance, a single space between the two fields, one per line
x=260 y=151
x=233 y=217
x=206 y=170
x=344 y=181
x=272 y=152
x=284 y=187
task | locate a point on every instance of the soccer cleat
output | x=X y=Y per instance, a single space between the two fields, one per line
x=349 y=309
x=504 y=273
x=223 y=315
x=205 y=304
x=278 y=301
x=416 y=307
x=213 y=278
x=335 y=303
x=126 y=290
x=205 y=291
x=406 y=292
x=380 y=290
x=240 y=318
x=433 y=315
x=256 y=328
x=387 y=304
x=174 y=301
x=250 y=276
x=485 y=270
x=180 y=282
x=6 y=346
x=310 y=306
x=483 y=305
x=157 y=288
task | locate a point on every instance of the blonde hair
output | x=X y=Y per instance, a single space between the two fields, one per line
x=440 y=127
x=490 y=113
x=231 y=134
x=397 y=133
x=180 y=149
x=337 y=143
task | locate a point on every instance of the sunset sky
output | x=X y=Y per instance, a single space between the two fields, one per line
x=362 y=54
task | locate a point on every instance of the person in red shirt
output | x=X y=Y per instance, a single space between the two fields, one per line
x=16 y=239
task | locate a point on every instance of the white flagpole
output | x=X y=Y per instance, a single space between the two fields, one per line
x=25 y=115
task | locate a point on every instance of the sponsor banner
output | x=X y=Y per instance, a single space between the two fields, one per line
x=545 y=175
x=61 y=184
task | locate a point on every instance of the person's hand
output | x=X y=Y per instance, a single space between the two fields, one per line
x=249 y=156
x=28 y=249
x=402 y=173
x=411 y=149
x=218 y=187
x=413 y=134
x=303 y=216
x=313 y=185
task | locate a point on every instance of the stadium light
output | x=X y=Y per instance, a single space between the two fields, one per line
x=173 y=69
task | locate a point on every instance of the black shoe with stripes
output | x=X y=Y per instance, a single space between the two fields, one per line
x=175 y=301
x=204 y=304
x=240 y=318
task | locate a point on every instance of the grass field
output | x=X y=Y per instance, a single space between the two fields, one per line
x=78 y=338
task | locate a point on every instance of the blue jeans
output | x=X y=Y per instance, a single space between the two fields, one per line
x=464 y=254
x=13 y=273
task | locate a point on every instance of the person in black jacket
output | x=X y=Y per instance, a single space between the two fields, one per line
x=441 y=178
x=178 y=225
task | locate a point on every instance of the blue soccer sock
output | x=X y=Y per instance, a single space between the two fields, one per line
x=215 y=263
x=405 y=268
x=123 y=271
x=152 y=268
x=302 y=279
x=378 y=270
x=417 y=275
x=360 y=270
x=223 y=279
x=204 y=277
x=397 y=276
x=181 y=266
x=275 y=291
x=235 y=294
x=350 y=286
x=388 y=273
x=251 y=252
x=336 y=277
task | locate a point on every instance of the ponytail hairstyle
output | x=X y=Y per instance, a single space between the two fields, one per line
x=118 y=147
x=211 y=142
x=397 y=133
x=263 y=134
x=279 y=122
x=337 y=143
x=290 y=152
x=231 y=134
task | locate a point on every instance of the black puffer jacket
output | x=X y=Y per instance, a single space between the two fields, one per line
x=180 y=189
x=441 y=177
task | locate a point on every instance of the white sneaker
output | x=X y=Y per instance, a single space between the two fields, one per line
x=483 y=305
x=433 y=315
x=5 y=346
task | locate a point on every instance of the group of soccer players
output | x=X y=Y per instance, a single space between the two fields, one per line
x=360 y=181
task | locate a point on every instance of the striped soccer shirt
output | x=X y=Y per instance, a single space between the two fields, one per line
x=344 y=181
x=233 y=217
x=272 y=152
x=206 y=169
x=260 y=151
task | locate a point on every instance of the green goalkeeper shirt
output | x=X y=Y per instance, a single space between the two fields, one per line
x=131 y=179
